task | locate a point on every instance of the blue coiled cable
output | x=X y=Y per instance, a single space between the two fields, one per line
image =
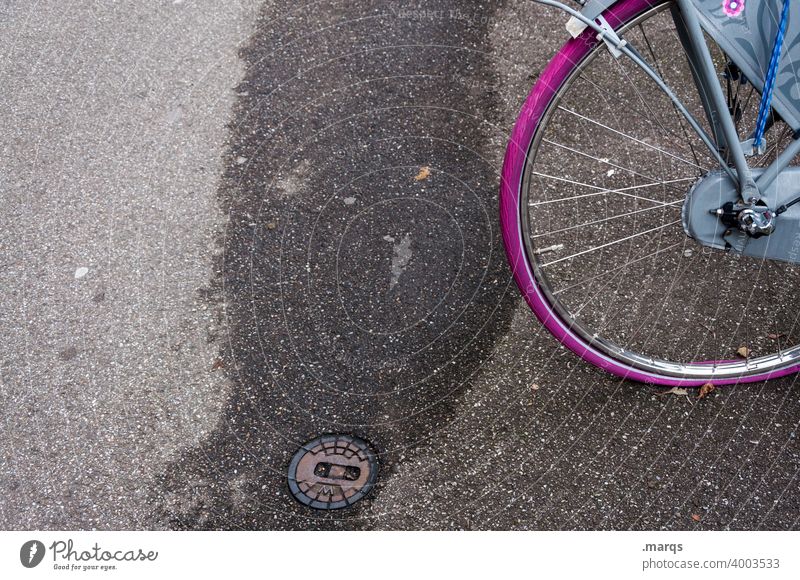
x=769 y=83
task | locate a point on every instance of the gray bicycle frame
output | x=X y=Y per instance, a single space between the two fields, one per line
x=749 y=47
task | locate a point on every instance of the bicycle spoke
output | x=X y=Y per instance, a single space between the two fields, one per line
x=601 y=190
x=626 y=136
x=609 y=272
x=681 y=120
x=670 y=205
x=619 y=241
x=678 y=138
x=601 y=160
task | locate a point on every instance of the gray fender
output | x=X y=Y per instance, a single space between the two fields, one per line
x=591 y=11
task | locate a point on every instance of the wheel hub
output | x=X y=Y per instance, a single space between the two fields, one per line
x=715 y=216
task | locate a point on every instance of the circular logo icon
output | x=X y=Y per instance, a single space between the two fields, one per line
x=31 y=553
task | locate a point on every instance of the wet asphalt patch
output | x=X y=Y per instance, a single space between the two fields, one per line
x=362 y=275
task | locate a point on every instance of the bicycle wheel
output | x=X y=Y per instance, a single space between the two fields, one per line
x=593 y=183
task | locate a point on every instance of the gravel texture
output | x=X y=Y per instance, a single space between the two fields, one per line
x=329 y=262
x=114 y=118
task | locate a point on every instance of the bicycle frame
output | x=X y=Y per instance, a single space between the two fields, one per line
x=691 y=18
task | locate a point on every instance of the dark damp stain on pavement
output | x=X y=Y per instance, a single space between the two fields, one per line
x=361 y=272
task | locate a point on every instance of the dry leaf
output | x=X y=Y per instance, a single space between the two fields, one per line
x=218 y=364
x=696 y=517
x=271 y=225
x=424 y=173
x=743 y=352
x=774 y=336
x=535 y=387
x=706 y=390
x=676 y=391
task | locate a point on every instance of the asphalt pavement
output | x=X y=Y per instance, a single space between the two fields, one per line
x=114 y=118
x=230 y=228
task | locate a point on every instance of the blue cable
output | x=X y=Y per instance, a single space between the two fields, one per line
x=769 y=83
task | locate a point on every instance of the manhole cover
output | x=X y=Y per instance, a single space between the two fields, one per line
x=333 y=472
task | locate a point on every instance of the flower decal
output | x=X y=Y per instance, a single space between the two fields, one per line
x=732 y=8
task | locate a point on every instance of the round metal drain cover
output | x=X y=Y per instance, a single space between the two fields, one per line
x=333 y=472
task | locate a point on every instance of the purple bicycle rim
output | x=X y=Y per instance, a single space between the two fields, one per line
x=550 y=81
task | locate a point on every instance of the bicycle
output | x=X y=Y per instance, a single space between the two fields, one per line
x=649 y=194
